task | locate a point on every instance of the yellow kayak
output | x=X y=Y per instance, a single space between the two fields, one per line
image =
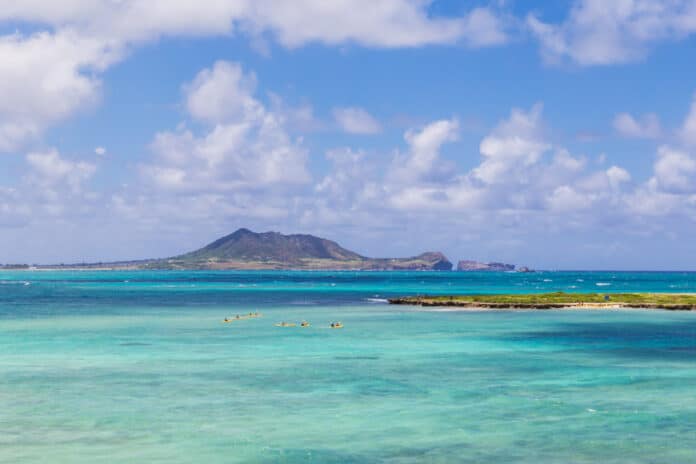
x=336 y=326
x=285 y=324
x=305 y=324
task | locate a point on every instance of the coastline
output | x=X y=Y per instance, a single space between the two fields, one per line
x=551 y=301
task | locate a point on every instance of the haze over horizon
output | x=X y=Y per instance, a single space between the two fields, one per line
x=558 y=135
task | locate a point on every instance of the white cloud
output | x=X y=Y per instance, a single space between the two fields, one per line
x=648 y=127
x=101 y=151
x=53 y=187
x=13 y=211
x=422 y=162
x=356 y=121
x=688 y=130
x=513 y=182
x=381 y=23
x=483 y=28
x=223 y=94
x=298 y=118
x=44 y=79
x=675 y=171
x=649 y=200
x=49 y=169
x=617 y=176
x=565 y=198
x=245 y=148
x=516 y=142
x=600 y=32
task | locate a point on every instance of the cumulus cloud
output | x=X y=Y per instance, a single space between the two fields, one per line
x=14 y=212
x=519 y=170
x=53 y=186
x=647 y=127
x=44 y=79
x=382 y=23
x=49 y=169
x=617 y=176
x=687 y=132
x=600 y=32
x=515 y=143
x=675 y=171
x=422 y=161
x=245 y=146
x=356 y=121
x=222 y=94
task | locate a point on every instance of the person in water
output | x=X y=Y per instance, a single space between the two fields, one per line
x=226 y=320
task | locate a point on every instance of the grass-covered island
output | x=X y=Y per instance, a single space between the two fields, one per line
x=558 y=300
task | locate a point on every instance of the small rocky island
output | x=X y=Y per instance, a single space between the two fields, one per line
x=469 y=265
x=557 y=300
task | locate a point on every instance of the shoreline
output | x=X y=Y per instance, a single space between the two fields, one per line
x=551 y=301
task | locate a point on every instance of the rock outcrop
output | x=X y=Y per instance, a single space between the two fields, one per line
x=468 y=265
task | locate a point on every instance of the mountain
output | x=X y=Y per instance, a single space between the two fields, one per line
x=466 y=265
x=245 y=249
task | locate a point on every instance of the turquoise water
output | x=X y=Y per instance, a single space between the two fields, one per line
x=137 y=367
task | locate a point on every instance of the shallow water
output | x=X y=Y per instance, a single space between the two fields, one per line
x=137 y=367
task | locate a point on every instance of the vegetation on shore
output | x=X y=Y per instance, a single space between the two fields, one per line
x=675 y=301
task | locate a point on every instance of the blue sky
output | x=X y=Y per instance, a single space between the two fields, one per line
x=551 y=134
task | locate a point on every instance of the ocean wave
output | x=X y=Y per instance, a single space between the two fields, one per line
x=377 y=300
x=602 y=284
x=548 y=280
x=15 y=282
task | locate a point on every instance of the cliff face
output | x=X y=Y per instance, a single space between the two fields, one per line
x=467 y=265
x=245 y=249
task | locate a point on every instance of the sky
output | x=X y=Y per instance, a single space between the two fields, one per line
x=552 y=134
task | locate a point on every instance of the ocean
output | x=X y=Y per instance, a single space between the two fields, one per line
x=138 y=367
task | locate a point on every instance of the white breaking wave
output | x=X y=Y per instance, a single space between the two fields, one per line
x=602 y=284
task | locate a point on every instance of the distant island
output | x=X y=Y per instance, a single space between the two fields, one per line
x=557 y=300
x=468 y=265
x=247 y=250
